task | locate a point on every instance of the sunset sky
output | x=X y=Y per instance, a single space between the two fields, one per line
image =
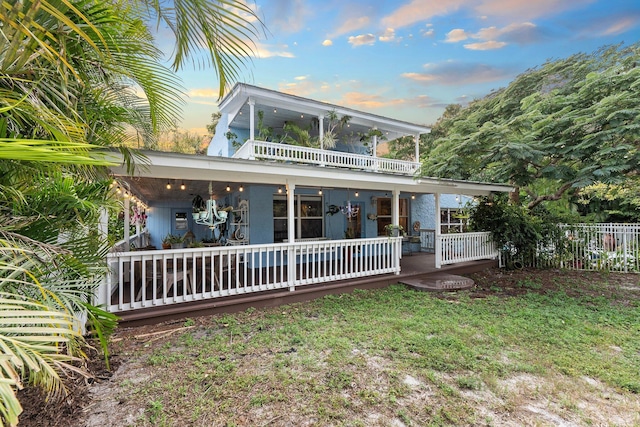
x=408 y=60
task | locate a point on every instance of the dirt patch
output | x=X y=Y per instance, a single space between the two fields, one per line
x=522 y=400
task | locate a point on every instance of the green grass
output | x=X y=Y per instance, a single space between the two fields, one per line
x=343 y=359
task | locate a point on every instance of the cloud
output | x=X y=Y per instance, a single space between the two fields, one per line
x=287 y=16
x=360 y=100
x=420 y=10
x=456 y=35
x=459 y=73
x=389 y=35
x=203 y=93
x=427 y=33
x=496 y=38
x=327 y=42
x=300 y=78
x=526 y=9
x=490 y=45
x=362 y=39
x=264 y=51
x=351 y=24
x=612 y=25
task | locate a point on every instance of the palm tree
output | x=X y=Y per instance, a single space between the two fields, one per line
x=70 y=76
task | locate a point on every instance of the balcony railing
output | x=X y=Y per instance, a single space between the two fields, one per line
x=260 y=150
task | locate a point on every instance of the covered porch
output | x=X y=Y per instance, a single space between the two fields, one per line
x=239 y=287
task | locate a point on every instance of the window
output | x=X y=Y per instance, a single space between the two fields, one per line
x=309 y=217
x=384 y=214
x=454 y=220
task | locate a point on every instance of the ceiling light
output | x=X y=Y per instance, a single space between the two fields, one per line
x=275 y=110
x=182 y=186
x=241 y=189
x=228 y=188
x=320 y=192
x=280 y=190
x=168 y=185
x=413 y=197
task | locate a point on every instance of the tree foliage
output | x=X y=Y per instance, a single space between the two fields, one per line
x=76 y=75
x=555 y=129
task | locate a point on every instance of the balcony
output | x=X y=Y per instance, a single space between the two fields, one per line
x=261 y=150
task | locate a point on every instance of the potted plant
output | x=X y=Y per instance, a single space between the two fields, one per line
x=172 y=241
x=393 y=230
x=166 y=242
x=198 y=205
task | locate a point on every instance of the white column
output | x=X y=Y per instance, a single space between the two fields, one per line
x=102 y=293
x=321 y=136
x=127 y=222
x=375 y=151
x=291 y=223
x=395 y=207
x=438 y=242
x=417 y=142
x=291 y=213
x=252 y=119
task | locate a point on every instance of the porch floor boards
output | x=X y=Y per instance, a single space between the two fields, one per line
x=418 y=266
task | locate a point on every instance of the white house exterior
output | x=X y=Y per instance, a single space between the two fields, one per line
x=283 y=202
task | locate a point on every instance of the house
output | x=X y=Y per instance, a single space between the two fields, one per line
x=295 y=194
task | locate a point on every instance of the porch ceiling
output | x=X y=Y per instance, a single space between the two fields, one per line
x=197 y=172
x=279 y=108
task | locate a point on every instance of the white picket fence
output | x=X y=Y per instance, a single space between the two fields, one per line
x=154 y=278
x=603 y=247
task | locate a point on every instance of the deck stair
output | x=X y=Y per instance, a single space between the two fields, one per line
x=438 y=282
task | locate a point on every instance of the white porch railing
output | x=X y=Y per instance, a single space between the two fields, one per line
x=463 y=247
x=140 y=240
x=427 y=240
x=291 y=153
x=155 y=278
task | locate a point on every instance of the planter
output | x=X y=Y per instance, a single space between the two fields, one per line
x=177 y=245
x=166 y=246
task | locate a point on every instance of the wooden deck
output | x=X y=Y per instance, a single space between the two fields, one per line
x=413 y=266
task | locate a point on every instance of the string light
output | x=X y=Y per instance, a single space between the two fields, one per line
x=413 y=197
x=279 y=190
x=182 y=186
x=241 y=189
x=320 y=192
x=228 y=188
x=168 y=185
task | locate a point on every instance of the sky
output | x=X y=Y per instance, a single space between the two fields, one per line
x=410 y=59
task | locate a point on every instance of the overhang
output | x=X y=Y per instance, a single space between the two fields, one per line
x=197 y=172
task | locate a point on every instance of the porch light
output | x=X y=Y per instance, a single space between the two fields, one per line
x=320 y=192
x=275 y=110
x=168 y=185
x=302 y=116
x=357 y=194
x=413 y=197
x=182 y=186
x=228 y=188
x=241 y=189
x=279 y=190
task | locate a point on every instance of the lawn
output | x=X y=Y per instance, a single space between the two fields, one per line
x=522 y=348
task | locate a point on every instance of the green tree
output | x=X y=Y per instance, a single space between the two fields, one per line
x=70 y=73
x=554 y=130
